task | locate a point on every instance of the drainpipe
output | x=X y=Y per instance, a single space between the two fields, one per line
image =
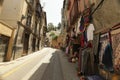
x=34 y=27
x=14 y=47
x=16 y=36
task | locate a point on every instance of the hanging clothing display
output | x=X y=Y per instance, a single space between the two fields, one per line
x=96 y=43
x=67 y=39
x=84 y=61
x=103 y=43
x=82 y=27
x=67 y=50
x=115 y=35
x=94 y=77
x=85 y=36
x=82 y=40
x=107 y=58
x=96 y=47
x=105 y=52
x=85 y=19
x=87 y=60
x=76 y=44
x=78 y=24
x=90 y=31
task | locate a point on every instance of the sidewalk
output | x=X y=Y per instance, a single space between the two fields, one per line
x=68 y=69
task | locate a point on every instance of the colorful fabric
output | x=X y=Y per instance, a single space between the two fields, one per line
x=78 y=25
x=82 y=27
x=87 y=63
x=107 y=58
x=105 y=52
x=82 y=40
x=87 y=16
x=89 y=45
x=85 y=36
x=87 y=19
x=67 y=48
x=95 y=77
x=116 y=50
x=84 y=58
x=67 y=39
x=102 y=50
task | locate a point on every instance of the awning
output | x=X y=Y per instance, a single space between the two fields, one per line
x=5 y=29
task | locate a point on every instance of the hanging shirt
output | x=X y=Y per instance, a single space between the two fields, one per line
x=90 y=30
x=107 y=58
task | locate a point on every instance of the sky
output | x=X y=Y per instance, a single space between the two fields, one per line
x=53 y=10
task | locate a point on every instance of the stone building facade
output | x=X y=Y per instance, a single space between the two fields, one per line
x=26 y=18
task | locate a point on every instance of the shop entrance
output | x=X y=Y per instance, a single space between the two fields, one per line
x=4 y=41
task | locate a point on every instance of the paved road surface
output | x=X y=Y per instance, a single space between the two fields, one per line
x=47 y=64
x=54 y=70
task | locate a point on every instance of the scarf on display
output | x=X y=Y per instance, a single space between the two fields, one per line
x=107 y=58
x=82 y=28
x=85 y=19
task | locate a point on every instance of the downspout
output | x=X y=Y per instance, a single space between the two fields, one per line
x=15 y=41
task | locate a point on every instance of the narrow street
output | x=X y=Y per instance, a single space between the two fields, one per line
x=60 y=40
x=47 y=64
